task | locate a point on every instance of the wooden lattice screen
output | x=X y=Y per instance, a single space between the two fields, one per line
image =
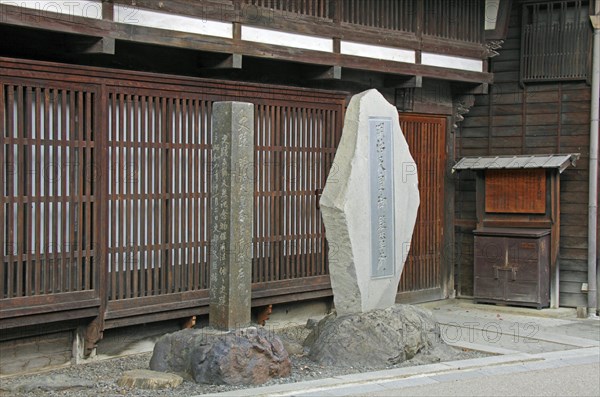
x=106 y=192
x=295 y=149
x=382 y=14
x=454 y=19
x=159 y=156
x=555 y=44
x=426 y=137
x=48 y=212
x=315 y=8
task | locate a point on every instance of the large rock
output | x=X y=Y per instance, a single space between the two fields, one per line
x=372 y=339
x=369 y=206
x=243 y=357
x=172 y=352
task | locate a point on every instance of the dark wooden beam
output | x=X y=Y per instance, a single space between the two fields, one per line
x=473 y=89
x=403 y=82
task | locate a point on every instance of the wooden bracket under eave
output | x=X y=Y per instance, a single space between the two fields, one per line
x=102 y=45
x=329 y=73
x=231 y=61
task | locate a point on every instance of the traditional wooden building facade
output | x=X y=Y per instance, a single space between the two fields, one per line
x=105 y=107
x=539 y=104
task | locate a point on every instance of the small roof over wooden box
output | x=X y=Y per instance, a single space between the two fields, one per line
x=559 y=161
x=516 y=193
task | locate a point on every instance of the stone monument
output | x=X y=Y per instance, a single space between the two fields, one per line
x=231 y=214
x=369 y=206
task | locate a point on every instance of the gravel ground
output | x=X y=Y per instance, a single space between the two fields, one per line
x=104 y=374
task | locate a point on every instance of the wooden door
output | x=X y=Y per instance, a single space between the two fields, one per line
x=423 y=272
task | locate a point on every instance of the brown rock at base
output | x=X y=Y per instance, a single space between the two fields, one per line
x=250 y=356
x=146 y=379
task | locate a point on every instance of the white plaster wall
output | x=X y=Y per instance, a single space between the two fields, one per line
x=377 y=52
x=451 y=62
x=80 y=8
x=274 y=37
x=135 y=16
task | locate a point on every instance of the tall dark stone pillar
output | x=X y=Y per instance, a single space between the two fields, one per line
x=232 y=215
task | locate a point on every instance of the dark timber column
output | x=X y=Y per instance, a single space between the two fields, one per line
x=231 y=214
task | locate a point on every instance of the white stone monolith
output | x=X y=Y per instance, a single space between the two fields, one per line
x=369 y=206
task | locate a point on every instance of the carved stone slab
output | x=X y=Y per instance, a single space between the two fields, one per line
x=232 y=214
x=369 y=206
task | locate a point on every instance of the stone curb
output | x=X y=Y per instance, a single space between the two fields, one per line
x=382 y=376
x=451 y=369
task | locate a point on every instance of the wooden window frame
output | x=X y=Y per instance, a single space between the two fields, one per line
x=544 y=59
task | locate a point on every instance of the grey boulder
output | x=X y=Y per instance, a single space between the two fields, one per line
x=248 y=356
x=372 y=339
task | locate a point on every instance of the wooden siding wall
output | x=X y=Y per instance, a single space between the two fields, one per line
x=539 y=118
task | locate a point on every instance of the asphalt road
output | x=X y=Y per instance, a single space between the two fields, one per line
x=575 y=380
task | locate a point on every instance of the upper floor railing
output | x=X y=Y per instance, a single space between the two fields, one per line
x=460 y=20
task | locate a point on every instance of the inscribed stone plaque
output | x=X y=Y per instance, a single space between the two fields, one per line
x=369 y=206
x=382 y=197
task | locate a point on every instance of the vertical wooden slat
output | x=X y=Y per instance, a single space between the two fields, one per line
x=53 y=182
x=113 y=196
x=255 y=226
x=27 y=248
x=87 y=170
x=203 y=172
x=79 y=167
x=195 y=207
x=177 y=217
x=70 y=192
x=134 y=198
x=144 y=222
x=264 y=169
x=165 y=208
x=21 y=175
x=208 y=188
x=310 y=193
x=289 y=179
x=120 y=193
x=157 y=263
x=3 y=222
x=47 y=287
x=37 y=204
x=188 y=172
x=298 y=192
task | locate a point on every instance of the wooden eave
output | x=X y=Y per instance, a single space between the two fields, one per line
x=23 y=17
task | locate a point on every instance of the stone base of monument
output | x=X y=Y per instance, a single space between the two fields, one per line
x=377 y=338
x=248 y=356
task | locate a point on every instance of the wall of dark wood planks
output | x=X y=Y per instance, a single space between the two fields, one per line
x=542 y=118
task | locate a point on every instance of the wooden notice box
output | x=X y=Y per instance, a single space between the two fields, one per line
x=512 y=265
x=518 y=227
